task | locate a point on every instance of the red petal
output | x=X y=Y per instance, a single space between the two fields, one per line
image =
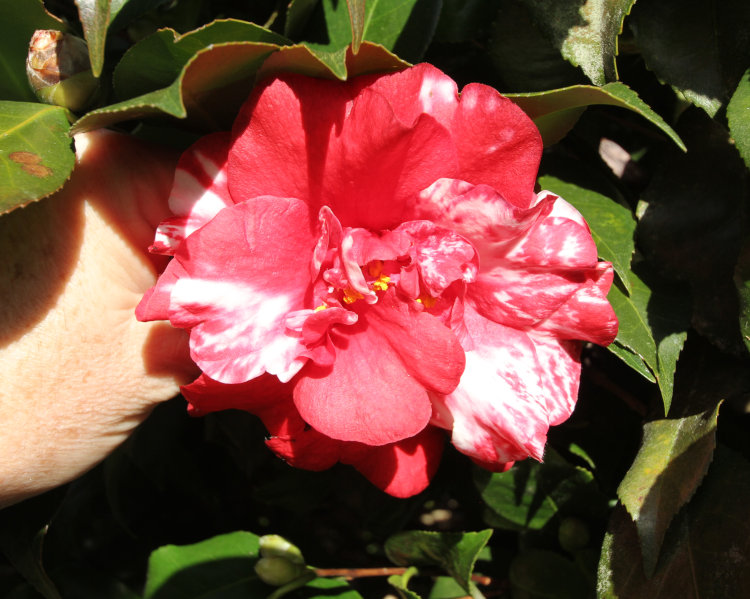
x=376 y=390
x=154 y=304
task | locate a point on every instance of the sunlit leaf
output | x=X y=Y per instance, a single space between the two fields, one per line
x=18 y=21
x=224 y=562
x=455 y=552
x=36 y=153
x=674 y=456
x=738 y=115
x=612 y=225
x=357 y=20
x=705 y=551
x=94 y=15
x=556 y=106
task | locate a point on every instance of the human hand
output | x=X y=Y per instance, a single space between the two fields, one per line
x=78 y=372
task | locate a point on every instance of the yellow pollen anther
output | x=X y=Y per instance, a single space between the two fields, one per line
x=381 y=284
x=321 y=307
x=427 y=300
x=351 y=295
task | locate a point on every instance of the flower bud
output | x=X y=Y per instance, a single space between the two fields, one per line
x=59 y=70
x=276 y=546
x=573 y=534
x=278 y=571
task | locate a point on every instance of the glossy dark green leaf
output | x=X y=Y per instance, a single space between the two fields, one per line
x=538 y=574
x=632 y=359
x=209 y=90
x=557 y=106
x=698 y=47
x=674 y=456
x=36 y=153
x=585 y=33
x=691 y=228
x=612 y=225
x=455 y=552
x=18 y=21
x=218 y=567
x=634 y=331
x=530 y=495
x=738 y=115
x=166 y=53
x=706 y=549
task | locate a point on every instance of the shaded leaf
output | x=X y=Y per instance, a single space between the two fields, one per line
x=18 y=21
x=297 y=15
x=706 y=549
x=612 y=225
x=463 y=20
x=633 y=360
x=699 y=48
x=223 y=563
x=557 y=106
x=325 y=588
x=22 y=531
x=455 y=552
x=530 y=495
x=36 y=153
x=585 y=33
x=742 y=282
x=691 y=228
x=674 y=456
x=738 y=115
x=538 y=574
x=209 y=90
x=166 y=53
x=401 y=581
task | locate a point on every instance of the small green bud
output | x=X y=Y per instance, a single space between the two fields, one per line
x=59 y=70
x=278 y=571
x=276 y=546
x=573 y=534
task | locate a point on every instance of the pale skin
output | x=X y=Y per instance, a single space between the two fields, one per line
x=78 y=373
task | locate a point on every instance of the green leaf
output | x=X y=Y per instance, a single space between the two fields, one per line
x=404 y=27
x=738 y=115
x=674 y=457
x=706 y=548
x=446 y=587
x=401 y=581
x=654 y=319
x=18 y=21
x=325 y=588
x=357 y=22
x=530 y=495
x=701 y=49
x=23 y=528
x=297 y=16
x=612 y=225
x=94 y=15
x=538 y=574
x=166 y=53
x=223 y=563
x=455 y=552
x=585 y=33
x=36 y=153
x=633 y=360
x=209 y=90
x=557 y=106
x=742 y=282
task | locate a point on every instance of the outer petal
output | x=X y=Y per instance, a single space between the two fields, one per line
x=503 y=406
x=400 y=469
x=365 y=166
x=198 y=193
x=245 y=271
x=497 y=144
x=154 y=304
x=376 y=390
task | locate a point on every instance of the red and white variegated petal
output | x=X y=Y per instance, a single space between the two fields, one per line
x=199 y=191
x=561 y=363
x=499 y=412
x=154 y=304
x=246 y=270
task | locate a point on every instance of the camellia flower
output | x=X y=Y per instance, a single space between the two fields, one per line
x=365 y=265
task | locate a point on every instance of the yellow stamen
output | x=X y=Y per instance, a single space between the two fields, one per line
x=321 y=307
x=427 y=300
x=351 y=295
x=381 y=284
